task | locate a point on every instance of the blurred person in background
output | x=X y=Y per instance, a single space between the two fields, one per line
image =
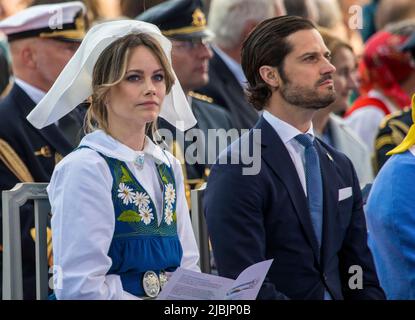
x=331 y=128
x=387 y=81
x=231 y=21
x=184 y=24
x=393 y=11
x=395 y=126
x=351 y=13
x=307 y=9
x=330 y=17
x=133 y=8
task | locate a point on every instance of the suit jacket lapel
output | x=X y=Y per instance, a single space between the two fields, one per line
x=276 y=155
x=330 y=197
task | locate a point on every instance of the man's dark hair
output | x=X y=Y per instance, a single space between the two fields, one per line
x=267 y=45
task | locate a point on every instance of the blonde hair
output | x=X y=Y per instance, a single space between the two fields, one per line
x=110 y=69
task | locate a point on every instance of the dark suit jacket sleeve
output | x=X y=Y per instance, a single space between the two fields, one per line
x=234 y=212
x=355 y=251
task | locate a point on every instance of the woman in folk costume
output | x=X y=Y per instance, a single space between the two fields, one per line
x=120 y=220
x=387 y=81
x=390 y=212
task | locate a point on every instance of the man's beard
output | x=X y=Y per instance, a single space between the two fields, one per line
x=305 y=97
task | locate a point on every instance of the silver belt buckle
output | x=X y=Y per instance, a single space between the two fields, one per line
x=151 y=284
x=163 y=279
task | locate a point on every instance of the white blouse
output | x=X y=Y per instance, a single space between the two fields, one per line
x=83 y=219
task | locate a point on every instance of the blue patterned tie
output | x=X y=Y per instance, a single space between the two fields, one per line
x=314 y=184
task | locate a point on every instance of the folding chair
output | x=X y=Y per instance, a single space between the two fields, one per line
x=12 y=253
x=200 y=228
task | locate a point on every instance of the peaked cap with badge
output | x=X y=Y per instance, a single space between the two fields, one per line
x=178 y=19
x=184 y=20
x=61 y=21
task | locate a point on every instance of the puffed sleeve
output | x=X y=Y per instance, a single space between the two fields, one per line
x=82 y=228
x=184 y=226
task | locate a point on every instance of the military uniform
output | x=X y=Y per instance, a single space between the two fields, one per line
x=184 y=21
x=26 y=153
x=209 y=116
x=225 y=89
x=392 y=131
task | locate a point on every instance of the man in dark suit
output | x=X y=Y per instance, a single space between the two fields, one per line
x=39 y=50
x=299 y=203
x=231 y=21
x=184 y=23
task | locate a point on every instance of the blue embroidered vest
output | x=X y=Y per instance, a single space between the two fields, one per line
x=140 y=243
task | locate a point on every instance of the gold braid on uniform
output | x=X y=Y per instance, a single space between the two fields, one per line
x=189 y=184
x=200 y=96
x=13 y=162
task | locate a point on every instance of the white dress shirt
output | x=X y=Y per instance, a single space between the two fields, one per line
x=287 y=134
x=83 y=219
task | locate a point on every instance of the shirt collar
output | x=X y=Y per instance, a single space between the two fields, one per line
x=285 y=130
x=110 y=147
x=233 y=66
x=34 y=93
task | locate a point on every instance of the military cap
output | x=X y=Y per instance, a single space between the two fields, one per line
x=178 y=19
x=61 y=21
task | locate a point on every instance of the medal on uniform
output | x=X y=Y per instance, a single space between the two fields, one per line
x=151 y=284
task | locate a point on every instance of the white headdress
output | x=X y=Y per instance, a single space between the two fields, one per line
x=74 y=84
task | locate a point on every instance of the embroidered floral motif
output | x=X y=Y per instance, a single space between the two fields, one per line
x=129 y=216
x=125 y=193
x=141 y=199
x=169 y=195
x=146 y=215
x=168 y=215
x=125 y=175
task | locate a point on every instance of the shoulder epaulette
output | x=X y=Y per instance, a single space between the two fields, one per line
x=200 y=96
x=14 y=163
x=393 y=115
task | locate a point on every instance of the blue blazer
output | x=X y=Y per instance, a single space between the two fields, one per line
x=252 y=218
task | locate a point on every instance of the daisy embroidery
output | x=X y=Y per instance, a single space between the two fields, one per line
x=125 y=193
x=146 y=215
x=141 y=199
x=168 y=216
x=169 y=194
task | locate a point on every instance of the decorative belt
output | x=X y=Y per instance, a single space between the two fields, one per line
x=153 y=283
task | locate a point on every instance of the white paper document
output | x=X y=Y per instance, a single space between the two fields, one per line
x=190 y=285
